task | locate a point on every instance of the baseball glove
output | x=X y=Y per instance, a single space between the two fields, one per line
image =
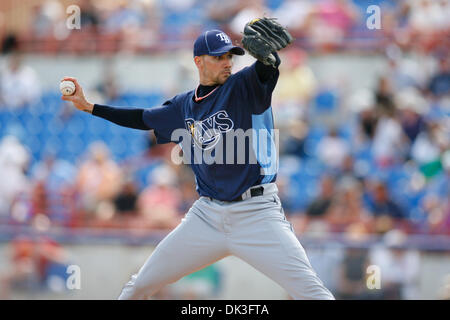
x=262 y=36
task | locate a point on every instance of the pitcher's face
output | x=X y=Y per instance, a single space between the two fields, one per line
x=214 y=70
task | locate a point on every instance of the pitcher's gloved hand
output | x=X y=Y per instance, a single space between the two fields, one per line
x=262 y=36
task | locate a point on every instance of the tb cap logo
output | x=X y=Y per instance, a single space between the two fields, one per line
x=223 y=37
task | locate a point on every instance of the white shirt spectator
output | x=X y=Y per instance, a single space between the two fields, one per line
x=255 y=8
x=13 y=159
x=293 y=14
x=19 y=84
x=424 y=150
x=399 y=267
x=429 y=15
x=387 y=142
x=332 y=150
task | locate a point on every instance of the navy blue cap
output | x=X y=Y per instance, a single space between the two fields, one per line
x=215 y=43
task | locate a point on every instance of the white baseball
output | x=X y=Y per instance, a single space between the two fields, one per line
x=67 y=87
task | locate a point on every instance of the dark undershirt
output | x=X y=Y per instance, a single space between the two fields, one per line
x=132 y=118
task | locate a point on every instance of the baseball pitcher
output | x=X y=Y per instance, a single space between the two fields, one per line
x=238 y=212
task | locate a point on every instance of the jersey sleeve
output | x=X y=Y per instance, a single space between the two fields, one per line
x=253 y=89
x=164 y=120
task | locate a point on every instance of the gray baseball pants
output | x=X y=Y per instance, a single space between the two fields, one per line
x=254 y=230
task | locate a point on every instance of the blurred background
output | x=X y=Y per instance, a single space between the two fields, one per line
x=364 y=120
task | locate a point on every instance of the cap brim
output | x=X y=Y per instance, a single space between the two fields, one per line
x=233 y=49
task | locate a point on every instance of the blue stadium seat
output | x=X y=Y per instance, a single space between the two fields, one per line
x=74 y=145
x=142 y=175
x=305 y=189
x=364 y=153
x=346 y=132
x=5 y=120
x=315 y=134
x=273 y=4
x=75 y=126
x=313 y=167
x=51 y=102
x=33 y=143
x=326 y=100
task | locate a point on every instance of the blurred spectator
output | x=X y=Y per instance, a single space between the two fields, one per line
x=125 y=201
x=23 y=271
x=89 y=16
x=427 y=16
x=412 y=106
x=348 y=173
x=384 y=95
x=178 y=5
x=122 y=16
x=54 y=178
x=249 y=10
x=352 y=275
x=222 y=12
x=439 y=84
x=35 y=265
x=347 y=210
x=389 y=143
x=437 y=214
x=405 y=71
x=9 y=43
x=436 y=202
x=294 y=144
x=150 y=33
x=124 y=22
x=427 y=148
x=368 y=122
x=158 y=204
x=399 y=267
x=4 y=35
x=19 y=83
x=331 y=22
x=14 y=183
x=58 y=174
x=295 y=15
x=48 y=20
x=297 y=85
x=318 y=209
x=98 y=182
x=39 y=198
x=362 y=104
x=332 y=149
x=383 y=208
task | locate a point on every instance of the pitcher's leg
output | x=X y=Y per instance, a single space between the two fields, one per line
x=192 y=245
x=272 y=248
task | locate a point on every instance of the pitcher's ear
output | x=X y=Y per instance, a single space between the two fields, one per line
x=198 y=60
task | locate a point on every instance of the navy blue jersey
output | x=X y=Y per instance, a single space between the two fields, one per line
x=242 y=102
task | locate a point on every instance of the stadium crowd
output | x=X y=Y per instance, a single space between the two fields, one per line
x=369 y=160
x=355 y=162
x=152 y=25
